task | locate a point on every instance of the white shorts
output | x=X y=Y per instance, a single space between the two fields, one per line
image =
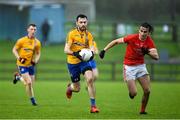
x=134 y=72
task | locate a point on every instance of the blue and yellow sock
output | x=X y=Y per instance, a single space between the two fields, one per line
x=33 y=101
x=93 y=102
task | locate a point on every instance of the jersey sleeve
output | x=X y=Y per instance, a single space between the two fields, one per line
x=38 y=46
x=18 y=44
x=90 y=42
x=95 y=45
x=128 y=38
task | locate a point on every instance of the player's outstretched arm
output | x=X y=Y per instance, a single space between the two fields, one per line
x=110 y=45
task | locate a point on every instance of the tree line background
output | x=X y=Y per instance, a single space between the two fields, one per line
x=138 y=10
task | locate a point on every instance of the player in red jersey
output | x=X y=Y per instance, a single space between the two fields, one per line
x=134 y=67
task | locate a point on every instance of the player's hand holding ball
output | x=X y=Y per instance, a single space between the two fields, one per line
x=102 y=54
x=77 y=55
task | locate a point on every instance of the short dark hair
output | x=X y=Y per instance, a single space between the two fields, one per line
x=32 y=24
x=147 y=25
x=81 y=16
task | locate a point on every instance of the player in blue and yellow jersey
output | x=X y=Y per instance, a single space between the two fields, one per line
x=27 y=51
x=78 y=39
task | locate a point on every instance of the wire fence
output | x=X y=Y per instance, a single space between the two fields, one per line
x=108 y=70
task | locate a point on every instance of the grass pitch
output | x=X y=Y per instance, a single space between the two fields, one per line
x=112 y=100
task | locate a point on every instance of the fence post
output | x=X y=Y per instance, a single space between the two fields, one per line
x=114 y=31
x=100 y=32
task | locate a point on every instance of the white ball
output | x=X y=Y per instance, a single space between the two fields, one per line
x=86 y=54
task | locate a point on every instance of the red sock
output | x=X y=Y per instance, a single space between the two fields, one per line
x=142 y=108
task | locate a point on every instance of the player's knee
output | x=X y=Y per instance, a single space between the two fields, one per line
x=29 y=84
x=146 y=91
x=90 y=81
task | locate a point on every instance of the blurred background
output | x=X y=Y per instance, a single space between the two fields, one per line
x=108 y=19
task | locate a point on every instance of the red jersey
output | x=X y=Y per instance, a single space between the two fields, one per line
x=134 y=55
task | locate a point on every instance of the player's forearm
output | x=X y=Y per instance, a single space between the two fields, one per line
x=96 y=51
x=154 y=54
x=38 y=55
x=110 y=45
x=15 y=52
x=67 y=50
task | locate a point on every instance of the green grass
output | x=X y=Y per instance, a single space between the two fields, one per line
x=112 y=99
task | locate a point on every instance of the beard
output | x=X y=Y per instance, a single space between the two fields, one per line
x=83 y=28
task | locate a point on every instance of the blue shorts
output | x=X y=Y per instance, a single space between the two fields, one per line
x=23 y=69
x=75 y=70
x=92 y=64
